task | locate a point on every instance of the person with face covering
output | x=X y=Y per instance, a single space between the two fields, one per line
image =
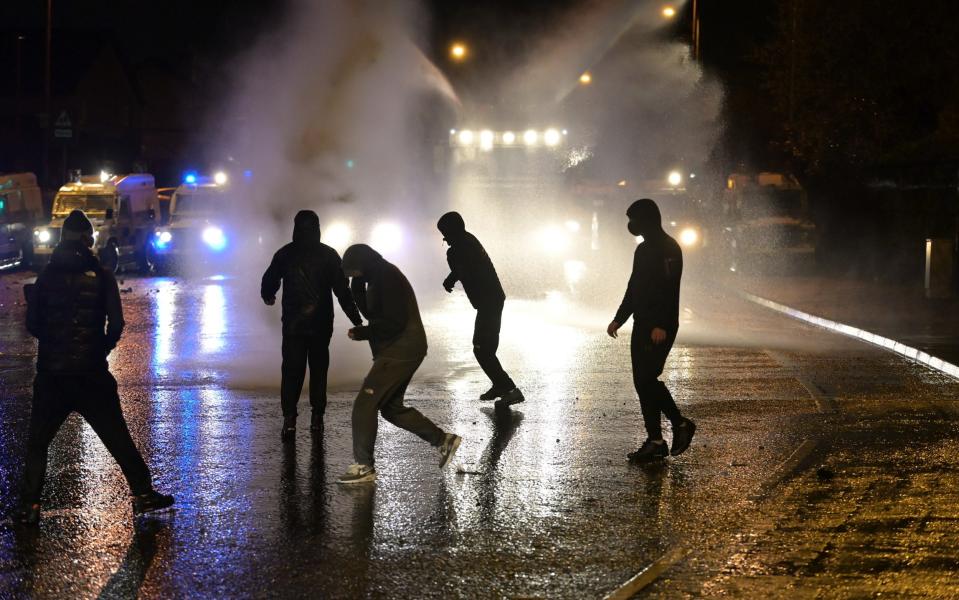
x=398 y=341
x=652 y=299
x=75 y=313
x=471 y=266
x=310 y=273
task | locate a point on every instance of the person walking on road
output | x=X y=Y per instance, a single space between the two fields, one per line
x=471 y=266
x=74 y=311
x=310 y=272
x=398 y=341
x=652 y=299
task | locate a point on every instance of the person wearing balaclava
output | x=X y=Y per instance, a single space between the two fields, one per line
x=398 y=342
x=310 y=273
x=652 y=300
x=75 y=313
x=471 y=266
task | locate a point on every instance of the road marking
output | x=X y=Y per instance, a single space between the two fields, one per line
x=825 y=403
x=854 y=332
x=786 y=468
x=637 y=582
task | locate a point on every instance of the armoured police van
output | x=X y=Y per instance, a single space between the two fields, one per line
x=21 y=209
x=123 y=209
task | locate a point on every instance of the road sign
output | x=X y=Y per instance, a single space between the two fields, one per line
x=63 y=127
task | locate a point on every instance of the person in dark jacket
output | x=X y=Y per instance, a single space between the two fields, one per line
x=74 y=311
x=309 y=271
x=652 y=299
x=471 y=266
x=398 y=341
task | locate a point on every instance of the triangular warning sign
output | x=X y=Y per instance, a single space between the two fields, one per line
x=63 y=120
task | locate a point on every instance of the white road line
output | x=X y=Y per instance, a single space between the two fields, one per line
x=636 y=583
x=854 y=332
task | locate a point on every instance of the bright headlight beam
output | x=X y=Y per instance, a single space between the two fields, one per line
x=466 y=137
x=553 y=240
x=688 y=236
x=214 y=238
x=486 y=139
x=43 y=236
x=387 y=237
x=337 y=235
x=675 y=178
x=551 y=137
x=530 y=137
x=219 y=178
x=509 y=137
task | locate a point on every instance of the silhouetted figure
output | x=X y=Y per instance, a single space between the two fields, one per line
x=74 y=311
x=471 y=266
x=310 y=272
x=652 y=299
x=398 y=341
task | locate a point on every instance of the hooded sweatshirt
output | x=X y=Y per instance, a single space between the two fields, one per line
x=386 y=299
x=652 y=295
x=470 y=264
x=309 y=271
x=74 y=311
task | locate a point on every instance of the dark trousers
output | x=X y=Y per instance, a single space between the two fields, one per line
x=486 y=342
x=95 y=398
x=382 y=392
x=298 y=350
x=654 y=398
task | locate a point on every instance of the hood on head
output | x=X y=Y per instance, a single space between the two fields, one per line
x=306 y=227
x=644 y=215
x=451 y=225
x=360 y=258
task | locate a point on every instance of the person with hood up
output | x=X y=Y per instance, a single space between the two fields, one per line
x=471 y=266
x=652 y=299
x=398 y=341
x=75 y=313
x=310 y=273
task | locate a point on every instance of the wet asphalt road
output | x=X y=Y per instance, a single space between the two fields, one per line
x=540 y=502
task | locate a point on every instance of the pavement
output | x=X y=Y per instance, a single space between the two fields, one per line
x=823 y=467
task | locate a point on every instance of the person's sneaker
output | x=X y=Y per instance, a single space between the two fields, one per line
x=316 y=422
x=288 y=433
x=682 y=437
x=448 y=448
x=151 y=501
x=27 y=514
x=357 y=474
x=493 y=393
x=650 y=451
x=514 y=396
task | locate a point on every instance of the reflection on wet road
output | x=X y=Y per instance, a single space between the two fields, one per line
x=540 y=502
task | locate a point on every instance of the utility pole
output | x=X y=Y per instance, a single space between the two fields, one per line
x=695 y=31
x=18 y=103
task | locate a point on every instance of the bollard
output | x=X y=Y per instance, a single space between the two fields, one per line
x=940 y=254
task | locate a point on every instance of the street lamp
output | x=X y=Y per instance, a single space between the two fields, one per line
x=586 y=78
x=669 y=12
x=458 y=51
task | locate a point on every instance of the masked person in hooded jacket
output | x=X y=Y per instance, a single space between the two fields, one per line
x=471 y=266
x=75 y=313
x=398 y=341
x=652 y=299
x=310 y=273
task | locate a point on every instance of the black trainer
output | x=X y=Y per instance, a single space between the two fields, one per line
x=151 y=501
x=514 y=396
x=682 y=437
x=316 y=422
x=649 y=452
x=27 y=514
x=288 y=433
x=493 y=393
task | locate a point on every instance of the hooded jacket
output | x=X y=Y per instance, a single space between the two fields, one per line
x=652 y=295
x=470 y=264
x=386 y=299
x=74 y=311
x=309 y=272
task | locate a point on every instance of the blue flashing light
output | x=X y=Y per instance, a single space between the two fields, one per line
x=162 y=240
x=189 y=178
x=248 y=174
x=3 y=206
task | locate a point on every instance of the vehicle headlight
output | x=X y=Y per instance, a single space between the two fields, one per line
x=43 y=235
x=553 y=240
x=551 y=137
x=486 y=138
x=162 y=239
x=574 y=271
x=688 y=237
x=387 y=237
x=675 y=178
x=337 y=235
x=214 y=238
x=530 y=137
x=572 y=226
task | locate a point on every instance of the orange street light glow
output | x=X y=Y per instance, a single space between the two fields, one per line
x=458 y=51
x=669 y=12
x=586 y=78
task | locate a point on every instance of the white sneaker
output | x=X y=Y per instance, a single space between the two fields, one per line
x=448 y=448
x=357 y=474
